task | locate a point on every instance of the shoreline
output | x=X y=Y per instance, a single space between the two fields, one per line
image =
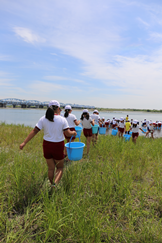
x=99 y=109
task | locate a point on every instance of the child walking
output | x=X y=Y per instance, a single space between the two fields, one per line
x=86 y=122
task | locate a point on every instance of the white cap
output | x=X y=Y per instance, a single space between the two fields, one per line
x=121 y=119
x=54 y=102
x=95 y=111
x=150 y=122
x=103 y=118
x=135 y=122
x=85 y=111
x=68 y=107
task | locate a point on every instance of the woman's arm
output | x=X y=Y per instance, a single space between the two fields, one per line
x=77 y=122
x=29 y=137
x=69 y=133
x=92 y=122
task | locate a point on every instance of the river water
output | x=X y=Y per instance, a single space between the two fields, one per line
x=29 y=117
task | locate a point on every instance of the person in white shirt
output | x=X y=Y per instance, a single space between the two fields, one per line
x=102 y=123
x=54 y=127
x=121 y=127
x=72 y=121
x=135 y=131
x=107 y=123
x=97 y=120
x=114 y=123
x=86 y=122
x=150 y=129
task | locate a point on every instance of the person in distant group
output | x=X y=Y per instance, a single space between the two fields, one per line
x=127 y=118
x=135 y=131
x=102 y=123
x=86 y=122
x=127 y=127
x=150 y=129
x=121 y=127
x=131 y=122
x=97 y=121
x=54 y=127
x=72 y=121
x=144 y=123
x=159 y=125
x=107 y=124
x=114 y=123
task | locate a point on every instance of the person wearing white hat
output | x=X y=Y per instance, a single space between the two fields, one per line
x=102 y=123
x=97 y=120
x=107 y=123
x=121 y=127
x=114 y=123
x=72 y=121
x=150 y=129
x=54 y=127
x=135 y=131
x=86 y=122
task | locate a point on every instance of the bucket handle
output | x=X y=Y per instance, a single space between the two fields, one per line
x=71 y=139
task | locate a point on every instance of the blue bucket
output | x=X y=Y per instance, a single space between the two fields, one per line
x=79 y=131
x=144 y=129
x=114 y=132
x=130 y=133
x=102 y=130
x=75 y=150
x=95 y=128
x=126 y=137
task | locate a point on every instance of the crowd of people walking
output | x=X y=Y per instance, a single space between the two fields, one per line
x=59 y=126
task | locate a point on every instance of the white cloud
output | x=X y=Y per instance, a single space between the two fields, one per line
x=28 y=36
x=157 y=37
x=143 y=22
x=59 y=78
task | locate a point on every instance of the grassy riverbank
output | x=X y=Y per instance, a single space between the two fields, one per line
x=114 y=196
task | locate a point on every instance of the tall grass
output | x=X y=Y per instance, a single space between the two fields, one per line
x=115 y=195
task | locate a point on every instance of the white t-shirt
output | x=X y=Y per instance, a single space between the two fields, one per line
x=86 y=123
x=135 y=129
x=70 y=119
x=96 y=118
x=53 y=131
x=121 y=125
x=151 y=128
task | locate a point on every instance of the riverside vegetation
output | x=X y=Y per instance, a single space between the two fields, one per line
x=115 y=195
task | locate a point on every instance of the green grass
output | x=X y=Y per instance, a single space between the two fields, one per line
x=114 y=196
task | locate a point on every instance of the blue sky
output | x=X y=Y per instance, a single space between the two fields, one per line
x=105 y=53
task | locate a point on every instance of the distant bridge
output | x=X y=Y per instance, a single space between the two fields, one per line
x=35 y=103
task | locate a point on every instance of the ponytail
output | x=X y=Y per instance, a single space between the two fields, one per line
x=66 y=114
x=82 y=116
x=50 y=112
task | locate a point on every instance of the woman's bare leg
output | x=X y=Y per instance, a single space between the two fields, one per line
x=51 y=169
x=59 y=170
x=88 y=143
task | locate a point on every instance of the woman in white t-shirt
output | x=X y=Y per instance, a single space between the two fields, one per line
x=54 y=127
x=135 y=130
x=86 y=122
x=121 y=127
x=72 y=121
x=97 y=121
x=150 y=129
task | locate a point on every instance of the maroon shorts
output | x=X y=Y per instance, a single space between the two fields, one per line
x=87 y=132
x=121 y=129
x=135 y=134
x=53 y=150
x=113 y=126
x=106 y=123
x=71 y=129
x=159 y=125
